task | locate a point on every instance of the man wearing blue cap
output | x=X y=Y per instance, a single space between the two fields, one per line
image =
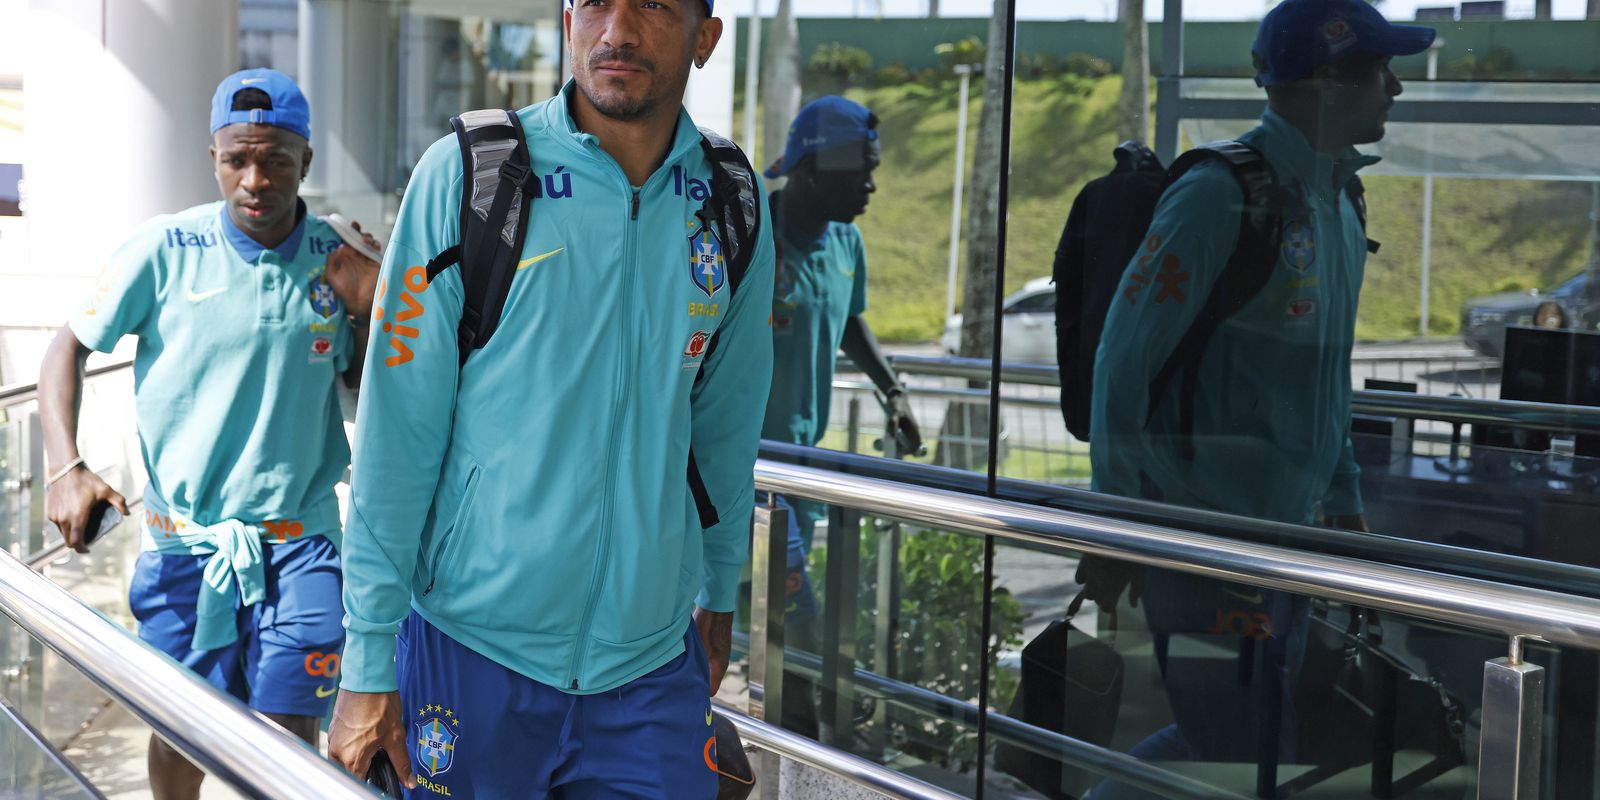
x=246 y=312
x=821 y=290
x=536 y=607
x=1267 y=429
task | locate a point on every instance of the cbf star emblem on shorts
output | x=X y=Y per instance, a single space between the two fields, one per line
x=438 y=734
x=707 y=268
x=1298 y=244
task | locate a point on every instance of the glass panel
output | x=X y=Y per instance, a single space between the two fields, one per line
x=31 y=767
x=1223 y=656
x=881 y=647
x=897 y=274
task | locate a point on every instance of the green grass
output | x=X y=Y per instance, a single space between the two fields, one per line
x=1487 y=234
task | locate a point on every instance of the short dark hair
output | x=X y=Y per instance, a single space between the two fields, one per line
x=251 y=100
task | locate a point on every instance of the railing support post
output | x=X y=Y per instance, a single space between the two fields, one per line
x=1510 y=746
x=768 y=599
x=837 y=724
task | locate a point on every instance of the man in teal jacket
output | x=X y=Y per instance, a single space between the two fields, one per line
x=522 y=523
x=1271 y=403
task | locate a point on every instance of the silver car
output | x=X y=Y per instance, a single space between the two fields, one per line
x=1028 y=330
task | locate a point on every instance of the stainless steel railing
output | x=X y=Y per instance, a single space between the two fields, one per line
x=1509 y=413
x=854 y=769
x=1483 y=605
x=23 y=392
x=255 y=757
x=1510 y=761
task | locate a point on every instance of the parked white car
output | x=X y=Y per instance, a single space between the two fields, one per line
x=1028 y=333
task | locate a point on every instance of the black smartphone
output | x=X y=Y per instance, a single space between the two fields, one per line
x=381 y=775
x=102 y=518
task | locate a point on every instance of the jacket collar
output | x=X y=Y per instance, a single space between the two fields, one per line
x=1293 y=157
x=558 y=116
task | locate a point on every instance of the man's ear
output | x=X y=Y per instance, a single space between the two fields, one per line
x=305 y=163
x=706 y=40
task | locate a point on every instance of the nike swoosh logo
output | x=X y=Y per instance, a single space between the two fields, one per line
x=528 y=262
x=248 y=81
x=708 y=716
x=328 y=692
x=1255 y=599
x=195 y=297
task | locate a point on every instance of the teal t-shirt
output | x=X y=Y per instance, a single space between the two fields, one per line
x=239 y=350
x=819 y=287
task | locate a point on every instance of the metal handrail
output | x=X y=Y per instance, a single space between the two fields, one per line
x=1508 y=413
x=1430 y=556
x=258 y=759
x=1120 y=767
x=854 y=769
x=23 y=392
x=1483 y=605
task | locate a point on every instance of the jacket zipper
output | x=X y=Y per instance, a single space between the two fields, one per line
x=603 y=549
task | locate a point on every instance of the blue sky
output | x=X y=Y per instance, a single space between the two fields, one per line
x=1104 y=9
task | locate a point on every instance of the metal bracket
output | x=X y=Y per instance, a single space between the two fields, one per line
x=1510 y=746
x=768 y=599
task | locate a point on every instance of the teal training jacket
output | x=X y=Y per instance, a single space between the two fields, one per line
x=1272 y=401
x=533 y=504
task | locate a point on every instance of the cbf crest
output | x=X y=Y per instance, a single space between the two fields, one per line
x=323 y=300
x=1297 y=243
x=707 y=267
x=438 y=736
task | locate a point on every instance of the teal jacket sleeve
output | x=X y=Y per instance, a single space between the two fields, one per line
x=1344 y=490
x=1192 y=235
x=404 y=420
x=726 y=408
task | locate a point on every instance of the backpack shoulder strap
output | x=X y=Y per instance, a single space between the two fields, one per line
x=734 y=205
x=1254 y=257
x=495 y=188
x=734 y=210
x=1358 y=198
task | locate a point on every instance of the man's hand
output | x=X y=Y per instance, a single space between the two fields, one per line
x=363 y=723
x=72 y=497
x=716 y=633
x=353 y=276
x=1349 y=522
x=910 y=432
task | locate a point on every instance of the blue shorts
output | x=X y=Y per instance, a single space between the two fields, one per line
x=286 y=660
x=480 y=730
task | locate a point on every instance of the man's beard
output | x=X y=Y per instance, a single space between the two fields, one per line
x=618 y=106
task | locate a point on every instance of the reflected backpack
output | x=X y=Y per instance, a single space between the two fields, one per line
x=1109 y=221
x=497 y=187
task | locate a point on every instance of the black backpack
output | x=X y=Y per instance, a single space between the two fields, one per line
x=497 y=187
x=1108 y=223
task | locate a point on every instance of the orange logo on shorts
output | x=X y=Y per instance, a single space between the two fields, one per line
x=324 y=664
x=284 y=529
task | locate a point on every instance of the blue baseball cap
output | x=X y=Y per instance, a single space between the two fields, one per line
x=1300 y=35
x=824 y=124
x=289 y=111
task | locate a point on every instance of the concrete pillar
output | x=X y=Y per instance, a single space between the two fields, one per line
x=115 y=131
x=346 y=53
